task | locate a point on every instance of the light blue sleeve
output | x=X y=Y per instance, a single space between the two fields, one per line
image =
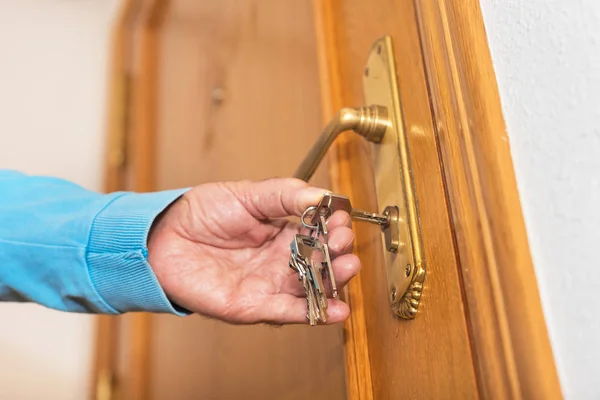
x=75 y=250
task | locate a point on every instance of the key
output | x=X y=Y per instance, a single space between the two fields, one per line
x=303 y=271
x=320 y=229
x=310 y=257
x=312 y=309
x=316 y=269
x=297 y=266
x=312 y=296
x=307 y=257
x=331 y=203
x=297 y=263
x=316 y=304
x=304 y=248
x=328 y=265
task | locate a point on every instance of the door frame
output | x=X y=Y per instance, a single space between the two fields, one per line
x=130 y=165
x=106 y=342
x=509 y=339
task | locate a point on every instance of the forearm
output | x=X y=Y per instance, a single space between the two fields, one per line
x=71 y=249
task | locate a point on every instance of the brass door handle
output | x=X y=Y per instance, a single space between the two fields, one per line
x=370 y=122
x=383 y=125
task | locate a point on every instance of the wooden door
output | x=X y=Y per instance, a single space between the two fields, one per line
x=240 y=90
x=430 y=356
x=479 y=331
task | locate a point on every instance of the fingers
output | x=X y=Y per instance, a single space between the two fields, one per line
x=339 y=218
x=341 y=241
x=341 y=237
x=345 y=268
x=277 y=198
x=289 y=309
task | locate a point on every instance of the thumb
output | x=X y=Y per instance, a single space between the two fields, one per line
x=278 y=198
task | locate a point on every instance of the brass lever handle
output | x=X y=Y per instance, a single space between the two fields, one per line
x=383 y=124
x=370 y=122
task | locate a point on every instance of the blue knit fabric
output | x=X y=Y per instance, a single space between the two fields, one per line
x=75 y=250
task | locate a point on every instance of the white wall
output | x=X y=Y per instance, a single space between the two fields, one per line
x=547 y=59
x=53 y=69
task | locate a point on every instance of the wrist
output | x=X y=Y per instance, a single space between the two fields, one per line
x=117 y=253
x=162 y=238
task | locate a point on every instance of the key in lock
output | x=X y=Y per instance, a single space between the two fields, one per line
x=388 y=220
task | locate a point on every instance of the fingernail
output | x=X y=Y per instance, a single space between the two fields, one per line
x=311 y=196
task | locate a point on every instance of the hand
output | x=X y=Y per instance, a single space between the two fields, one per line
x=222 y=250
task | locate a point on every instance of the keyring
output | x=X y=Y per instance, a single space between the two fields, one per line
x=310 y=210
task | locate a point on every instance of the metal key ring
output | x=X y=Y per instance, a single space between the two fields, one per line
x=310 y=210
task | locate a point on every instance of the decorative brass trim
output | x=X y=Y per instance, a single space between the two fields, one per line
x=405 y=268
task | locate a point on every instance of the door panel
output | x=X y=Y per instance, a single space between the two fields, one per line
x=239 y=99
x=430 y=356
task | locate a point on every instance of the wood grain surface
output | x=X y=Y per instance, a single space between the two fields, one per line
x=430 y=356
x=512 y=351
x=103 y=377
x=142 y=155
x=358 y=366
x=239 y=99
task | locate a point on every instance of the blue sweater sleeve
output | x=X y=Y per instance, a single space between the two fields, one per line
x=71 y=249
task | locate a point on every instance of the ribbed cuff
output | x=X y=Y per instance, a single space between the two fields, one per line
x=118 y=251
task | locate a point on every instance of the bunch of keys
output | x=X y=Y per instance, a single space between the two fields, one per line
x=310 y=253
x=308 y=260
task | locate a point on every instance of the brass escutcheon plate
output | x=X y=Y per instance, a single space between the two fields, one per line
x=405 y=268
